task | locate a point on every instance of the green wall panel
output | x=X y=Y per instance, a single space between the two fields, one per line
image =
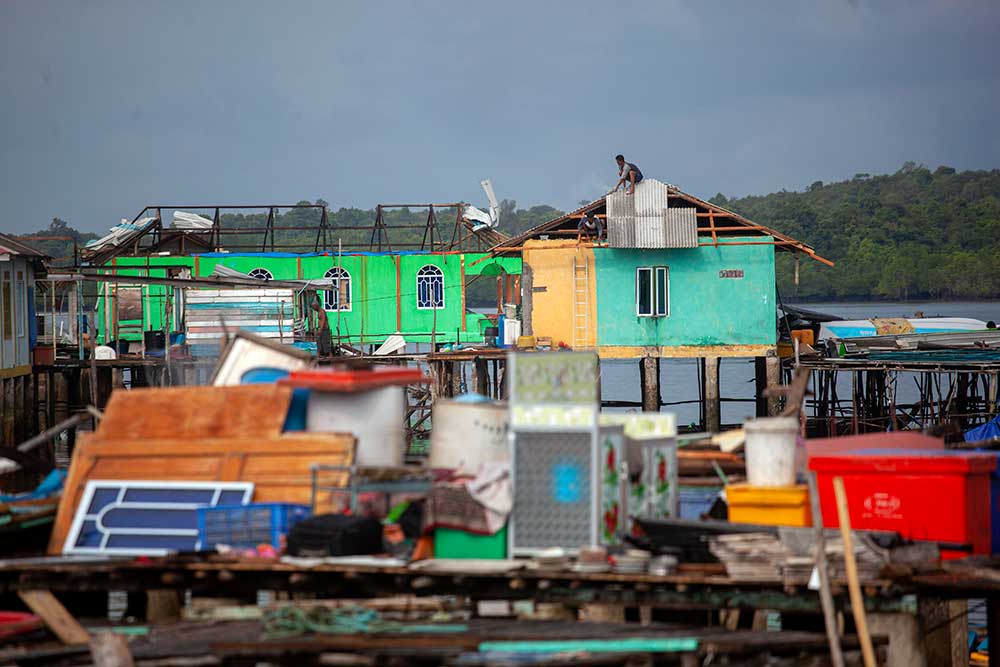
x=705 y=309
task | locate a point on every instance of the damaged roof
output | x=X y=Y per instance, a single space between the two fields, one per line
x=715 y=226
x=11 y=246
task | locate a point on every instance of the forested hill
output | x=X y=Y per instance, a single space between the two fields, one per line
x=916 y=233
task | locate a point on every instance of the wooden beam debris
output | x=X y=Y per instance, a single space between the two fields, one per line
x=60 y=622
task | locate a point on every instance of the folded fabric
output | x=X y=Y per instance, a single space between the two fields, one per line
x=493 y=490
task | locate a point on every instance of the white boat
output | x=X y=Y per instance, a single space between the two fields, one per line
x=897 y=325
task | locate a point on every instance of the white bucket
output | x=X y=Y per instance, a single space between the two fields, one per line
x=770 y=451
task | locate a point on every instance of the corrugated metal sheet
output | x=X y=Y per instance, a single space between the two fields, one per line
x=621 y=217
x=643 y=219
x=265 y=312
x=680 y=227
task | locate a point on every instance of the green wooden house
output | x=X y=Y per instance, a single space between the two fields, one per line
x=417 y=289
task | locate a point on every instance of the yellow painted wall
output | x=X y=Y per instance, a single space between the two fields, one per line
x=552 y=312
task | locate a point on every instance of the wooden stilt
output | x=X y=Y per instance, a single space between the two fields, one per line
x=649 y=374
x=713 y=404
x=760 y=384
x=482 y=377
x=773 y=376
x=163 y=605
x=50 y=398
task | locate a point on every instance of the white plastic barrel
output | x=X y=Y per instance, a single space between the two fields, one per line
x=770 y=451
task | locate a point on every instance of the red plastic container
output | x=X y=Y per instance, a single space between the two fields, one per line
x=355 y=380
x=14 y=623
x=941 y=497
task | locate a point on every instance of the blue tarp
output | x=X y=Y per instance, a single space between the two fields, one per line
x=987 y=431
x=51 y=485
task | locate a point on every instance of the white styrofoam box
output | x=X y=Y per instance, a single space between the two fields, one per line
x=374 y=417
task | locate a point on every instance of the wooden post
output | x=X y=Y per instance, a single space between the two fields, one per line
x=50 y=398
x=456 y=378
x=17 y=409
x=773 y=375
x=504 y=390
x=6 y=434
x=74 y=320
x=163 y=605
x=649 y=376
x=104 y=386
x=760 y=384
x=35 y=423
x=482 y=377
x=713 y=404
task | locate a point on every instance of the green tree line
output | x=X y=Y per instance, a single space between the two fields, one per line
x=913 y=234
x=916 y=233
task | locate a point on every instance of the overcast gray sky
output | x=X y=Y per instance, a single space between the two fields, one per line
x=108 y=106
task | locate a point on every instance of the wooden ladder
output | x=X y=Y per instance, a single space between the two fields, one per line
x=581 y=303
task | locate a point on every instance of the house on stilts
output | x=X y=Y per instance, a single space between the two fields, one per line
x=672 y=276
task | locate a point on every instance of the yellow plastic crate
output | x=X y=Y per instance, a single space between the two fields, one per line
x=771 y=506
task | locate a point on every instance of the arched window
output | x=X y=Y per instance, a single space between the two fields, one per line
x=260 y=274
x=338 y=296
x=430 y=288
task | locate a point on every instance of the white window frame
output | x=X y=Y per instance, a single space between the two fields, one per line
x=260 y=270
x=657 y=280
x=336 y=276
x=429 y=274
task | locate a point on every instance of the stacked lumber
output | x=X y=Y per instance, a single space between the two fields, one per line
x=766 y=557
x=750 y=556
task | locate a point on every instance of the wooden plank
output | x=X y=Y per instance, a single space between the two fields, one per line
x=279 y=467
x=196 y=412
x=60 y=622
x=825 y=595
x=853 y=585
x=108 y=649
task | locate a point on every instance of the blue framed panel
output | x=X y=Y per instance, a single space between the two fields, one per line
x=146 y=518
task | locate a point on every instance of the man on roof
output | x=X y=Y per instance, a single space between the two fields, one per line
x=628 y=175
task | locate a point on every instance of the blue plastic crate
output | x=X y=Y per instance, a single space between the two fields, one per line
x=246 y=526
x=696 y=500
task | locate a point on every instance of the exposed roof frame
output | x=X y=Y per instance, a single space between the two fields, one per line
x=463 y=236
x=711 y=215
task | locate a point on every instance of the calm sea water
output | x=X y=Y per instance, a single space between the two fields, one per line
x=679 y=377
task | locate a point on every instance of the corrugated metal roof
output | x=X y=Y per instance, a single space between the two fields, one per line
x=15 y=247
